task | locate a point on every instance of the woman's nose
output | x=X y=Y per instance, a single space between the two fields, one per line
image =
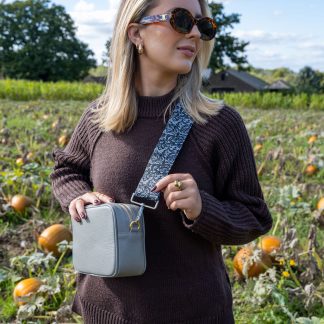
x=195 y=32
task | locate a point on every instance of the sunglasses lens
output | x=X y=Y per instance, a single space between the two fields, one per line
x=182 y=21
x=207 y=28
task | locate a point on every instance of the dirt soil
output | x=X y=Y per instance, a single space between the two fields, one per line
x=21 y=239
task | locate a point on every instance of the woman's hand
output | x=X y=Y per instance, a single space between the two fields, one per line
x=76 y=207
x=188 y=198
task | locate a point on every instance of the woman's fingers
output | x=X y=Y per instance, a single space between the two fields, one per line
x=91 y=198
x=174 y=196
x=73 y=209
x=103 y=198
x=76 y=208
x=79 y=206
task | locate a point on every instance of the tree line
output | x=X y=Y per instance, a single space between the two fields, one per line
x=307 y=80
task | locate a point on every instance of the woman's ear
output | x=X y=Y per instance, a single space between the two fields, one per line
x=134 y=34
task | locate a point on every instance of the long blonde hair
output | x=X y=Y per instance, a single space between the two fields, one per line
x=117 y=107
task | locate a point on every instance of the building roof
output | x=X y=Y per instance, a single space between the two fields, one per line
x=248 y=78
x=92 y=78
x=279 y=85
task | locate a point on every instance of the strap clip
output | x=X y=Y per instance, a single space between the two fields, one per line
x=142 y=204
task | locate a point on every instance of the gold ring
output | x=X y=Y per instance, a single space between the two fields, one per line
x=178 y=184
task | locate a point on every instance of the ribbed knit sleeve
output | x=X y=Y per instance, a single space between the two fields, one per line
x=71 y=173
x=242 y=214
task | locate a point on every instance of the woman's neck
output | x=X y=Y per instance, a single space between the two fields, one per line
x=154 y=83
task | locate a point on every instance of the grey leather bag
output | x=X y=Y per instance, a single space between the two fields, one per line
x=105 y=244
x=110 y=242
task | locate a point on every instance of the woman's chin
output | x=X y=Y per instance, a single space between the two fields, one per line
x=184 y=68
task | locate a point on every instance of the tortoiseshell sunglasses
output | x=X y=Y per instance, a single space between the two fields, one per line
x=182 y=21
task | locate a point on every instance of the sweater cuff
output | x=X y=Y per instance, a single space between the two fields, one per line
x=66 y=199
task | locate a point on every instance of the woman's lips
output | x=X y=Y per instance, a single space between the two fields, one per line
x=186 y=52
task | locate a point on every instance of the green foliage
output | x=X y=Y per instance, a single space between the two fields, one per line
x=270 y=100
x=38 y=42
x=105 y=55
x=99 y=71
x=309 y=81
x=31 y=90
x=306 y=80
x=272 y=75
x=317 y=102
x=226 y=45
x=286 y=293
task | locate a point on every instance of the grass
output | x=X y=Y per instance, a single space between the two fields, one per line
x=20 y=90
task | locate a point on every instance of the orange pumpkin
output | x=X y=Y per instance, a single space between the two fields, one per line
x=20 y=202
x=25 y=287
x=243 y=256
x=20 y=161
x=30 y=156
x=53 y=235
x=63 y=140
x=312 y=139
x=311 y=169
x=55 y=124
x=320 y=204
x=269 y=244
x=257 y=147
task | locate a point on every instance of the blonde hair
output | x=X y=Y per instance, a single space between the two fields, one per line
x=117 y=106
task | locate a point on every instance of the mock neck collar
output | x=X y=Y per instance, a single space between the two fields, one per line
x=152 y=107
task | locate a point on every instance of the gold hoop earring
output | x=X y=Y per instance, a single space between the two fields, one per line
x=140 y=49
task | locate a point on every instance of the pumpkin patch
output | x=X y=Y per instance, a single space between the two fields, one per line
x=279 y=272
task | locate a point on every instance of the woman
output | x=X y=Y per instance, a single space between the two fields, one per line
x=157 y=59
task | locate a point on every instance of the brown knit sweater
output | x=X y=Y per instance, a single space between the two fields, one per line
x=185 y=280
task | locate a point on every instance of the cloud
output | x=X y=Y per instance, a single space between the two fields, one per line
x=273 y=49
x=314 y=46
x=261 y=36
x=84 y=13
x=94 y=26
x=84 y=6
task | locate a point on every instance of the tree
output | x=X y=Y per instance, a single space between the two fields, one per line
x=272 y=75
x=225 y=44
x=309 y=81
x=105 y=54
x=38 y=42
x=320 y=76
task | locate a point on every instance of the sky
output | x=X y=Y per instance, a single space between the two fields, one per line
x=281 y=33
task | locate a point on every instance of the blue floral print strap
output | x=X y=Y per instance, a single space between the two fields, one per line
x=163 y=156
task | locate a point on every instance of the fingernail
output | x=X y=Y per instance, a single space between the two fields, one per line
x=96 y=201
x=154 y=188
x=111 y=200
x=83 y=215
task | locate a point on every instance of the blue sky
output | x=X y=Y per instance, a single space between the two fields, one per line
x=286 y=33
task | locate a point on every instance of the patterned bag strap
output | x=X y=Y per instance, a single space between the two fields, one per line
x=163 y=156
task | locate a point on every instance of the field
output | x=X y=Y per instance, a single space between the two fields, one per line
x=289 y=152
